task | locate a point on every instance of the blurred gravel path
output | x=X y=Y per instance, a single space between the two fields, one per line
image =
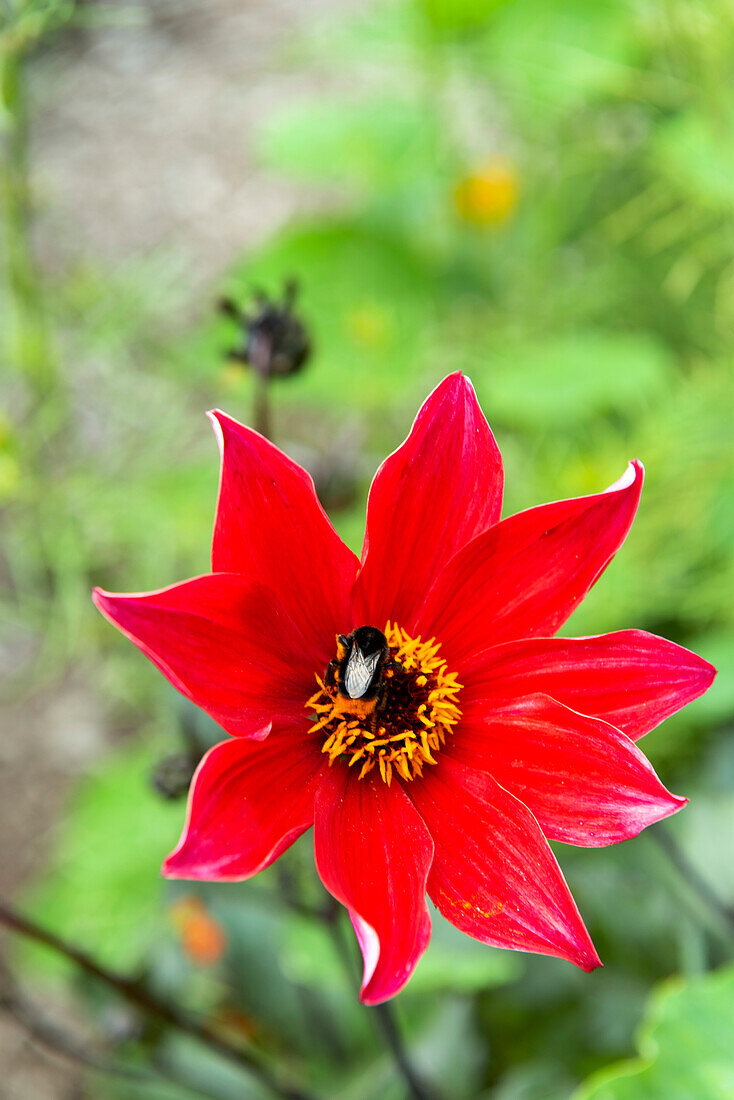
x=145 y=137
x=141 y=140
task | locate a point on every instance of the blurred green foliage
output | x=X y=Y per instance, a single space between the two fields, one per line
x=595 y=313
x=105 y=889
x=686 y=1046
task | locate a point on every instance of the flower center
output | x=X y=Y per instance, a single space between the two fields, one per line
x=386 y=701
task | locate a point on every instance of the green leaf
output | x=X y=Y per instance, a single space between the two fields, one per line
x=705 y=830
x=453 y=962
x=270 y=988
x=718 y=648
x=677 y=568
x=456 y=16
x=375 y=144
x=446 y=1052
x=104 y=890
x=554 y=54
x=565 y=380
x=696 y=152
x=686 y=1046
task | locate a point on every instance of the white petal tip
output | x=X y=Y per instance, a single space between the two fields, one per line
x=634 y=470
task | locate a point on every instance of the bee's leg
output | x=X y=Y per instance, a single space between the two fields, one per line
x=331 y=677
x=381 y=698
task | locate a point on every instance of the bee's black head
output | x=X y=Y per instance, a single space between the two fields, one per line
x=370 y=640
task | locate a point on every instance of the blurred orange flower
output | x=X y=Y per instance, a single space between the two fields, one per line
x=202 y=938
x=488 y=196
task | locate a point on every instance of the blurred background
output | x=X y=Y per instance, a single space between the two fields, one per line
x=536 y=192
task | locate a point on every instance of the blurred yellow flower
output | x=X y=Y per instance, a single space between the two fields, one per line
x=230 y=376
x=488 y=196
x=369 y=325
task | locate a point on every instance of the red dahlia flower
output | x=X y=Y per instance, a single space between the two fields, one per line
x=445 y=736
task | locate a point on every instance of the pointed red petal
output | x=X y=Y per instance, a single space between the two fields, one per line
x=225 y=643
x=248 y=802
x=631 y=679
x=585 y=781
x=271 y=526
x=373 y=854
x=439 y=489
x=494 y=875
x=525 y=576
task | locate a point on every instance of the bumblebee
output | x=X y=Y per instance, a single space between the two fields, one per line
x=356 y=673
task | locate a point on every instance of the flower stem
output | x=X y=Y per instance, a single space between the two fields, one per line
x=56 y=1039
x=696 y=883
x=50 y=1035
x=28 y=346
x=261 y=418
x=388 y=1023
x=135 y=992
x=383 y=1013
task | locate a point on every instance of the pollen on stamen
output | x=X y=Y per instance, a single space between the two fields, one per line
x=414 y=710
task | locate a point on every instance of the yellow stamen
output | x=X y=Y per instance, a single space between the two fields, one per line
x=402 y=727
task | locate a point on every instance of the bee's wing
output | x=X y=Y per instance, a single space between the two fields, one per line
x=359 y=671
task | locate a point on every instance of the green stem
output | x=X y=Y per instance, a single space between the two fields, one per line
x=135 y=992
x=721 y=916
x=50 y=1035
x=261 y=418
x=389 y=1025
x=383 y=1013
x=29 y=350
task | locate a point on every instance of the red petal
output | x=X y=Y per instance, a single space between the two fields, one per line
x=373 y=854
x=271 y=526
x=439 y=489
x=525 y=576
x=248 y=802
x=584 y=781
x=494 y=875
x=225 y=643
x=631 y=679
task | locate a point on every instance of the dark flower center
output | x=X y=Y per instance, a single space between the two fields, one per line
x=387 y=701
